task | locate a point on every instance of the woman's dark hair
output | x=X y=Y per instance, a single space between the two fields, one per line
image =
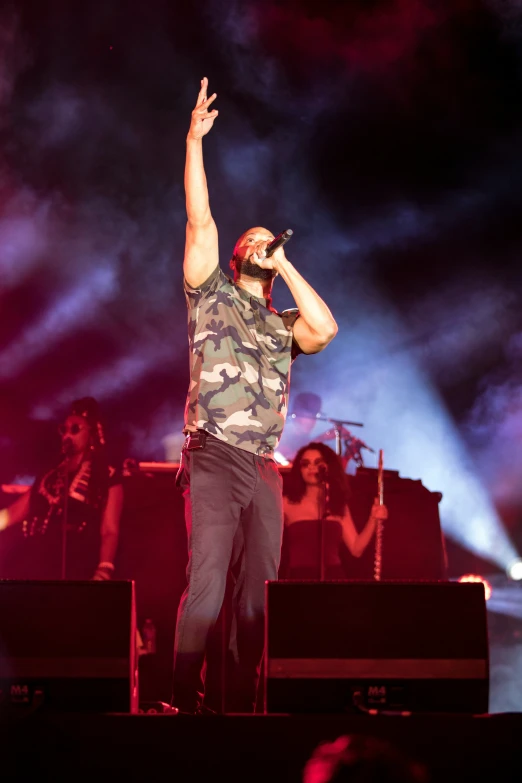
x=87 y=408
x=338 y=483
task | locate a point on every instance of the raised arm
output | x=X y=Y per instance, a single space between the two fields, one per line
x=201 y=246
x=316 y=326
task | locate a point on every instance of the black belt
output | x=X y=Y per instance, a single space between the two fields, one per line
x=198 y=439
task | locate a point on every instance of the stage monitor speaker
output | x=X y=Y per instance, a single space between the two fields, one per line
x=68 y=646
x=376 y=646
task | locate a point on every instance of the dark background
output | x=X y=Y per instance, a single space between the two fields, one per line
x=387 y=134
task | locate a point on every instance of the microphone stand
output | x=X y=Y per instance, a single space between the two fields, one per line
x=378 y=530
x=64 y=518
x=337 y=427
x=325 y=486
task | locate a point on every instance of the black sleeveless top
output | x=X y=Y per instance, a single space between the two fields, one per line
x=302 y=549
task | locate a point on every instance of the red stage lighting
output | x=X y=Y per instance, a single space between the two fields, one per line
x=477 y=578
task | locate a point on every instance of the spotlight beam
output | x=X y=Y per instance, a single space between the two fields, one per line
x=77 y=306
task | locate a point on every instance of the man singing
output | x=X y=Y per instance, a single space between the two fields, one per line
x=241 y=350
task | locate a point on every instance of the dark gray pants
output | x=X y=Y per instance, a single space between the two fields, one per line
x=230 y=496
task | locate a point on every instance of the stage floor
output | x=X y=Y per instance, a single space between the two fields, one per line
x=247 y=748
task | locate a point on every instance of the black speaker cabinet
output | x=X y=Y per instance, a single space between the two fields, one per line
x=68 y=646
x=376 y=646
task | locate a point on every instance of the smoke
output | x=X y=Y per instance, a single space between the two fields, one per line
x=388 y=360
x=494 y=426
x=91 y=225
x=110 y=381
x=404 y=415
x=506 y=671
x=163 y=437
x=453 y=329
x=387 y=135
x=79 y=304
x=91 y=180
x=509 y=11
x=25 y=229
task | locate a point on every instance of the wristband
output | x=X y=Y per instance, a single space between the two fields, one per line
x=108 y=566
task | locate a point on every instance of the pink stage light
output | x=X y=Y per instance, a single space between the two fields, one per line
x=477 y=578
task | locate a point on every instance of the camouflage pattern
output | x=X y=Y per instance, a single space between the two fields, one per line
x=240 y=356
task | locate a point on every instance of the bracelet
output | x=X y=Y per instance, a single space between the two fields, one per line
x=108 y=566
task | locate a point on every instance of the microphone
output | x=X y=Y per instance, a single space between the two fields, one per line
x=322 y=473
x=279 y=241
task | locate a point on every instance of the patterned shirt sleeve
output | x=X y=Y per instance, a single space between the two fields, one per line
x=210 y=286
x=289 y=318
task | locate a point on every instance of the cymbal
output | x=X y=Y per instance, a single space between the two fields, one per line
x=330 y=434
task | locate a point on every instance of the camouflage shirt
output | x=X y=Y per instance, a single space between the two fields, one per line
x=240 y=356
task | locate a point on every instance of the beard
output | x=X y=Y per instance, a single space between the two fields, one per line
x=248 y=268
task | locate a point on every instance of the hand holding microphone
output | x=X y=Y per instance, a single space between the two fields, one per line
x=276 y=243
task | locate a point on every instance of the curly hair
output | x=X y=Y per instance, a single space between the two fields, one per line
x=338 y=483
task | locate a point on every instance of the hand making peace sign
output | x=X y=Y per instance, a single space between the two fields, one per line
x=202 y=119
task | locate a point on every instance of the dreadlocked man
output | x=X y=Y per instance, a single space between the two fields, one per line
x=70 y=517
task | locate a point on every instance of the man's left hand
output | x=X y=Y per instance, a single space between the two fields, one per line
x=274 y=262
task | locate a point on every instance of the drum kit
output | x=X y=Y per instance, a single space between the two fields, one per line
x=339 y=432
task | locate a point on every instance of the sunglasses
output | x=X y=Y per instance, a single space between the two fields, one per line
x=73 y=429
x=306 y=463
